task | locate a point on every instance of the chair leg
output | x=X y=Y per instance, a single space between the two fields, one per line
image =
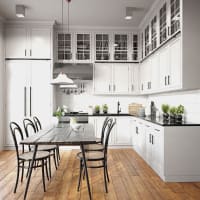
x=49 y=166
x=46 y=167
x=18 y=170
x=28 y=168
x=105 y=181
x=43 y=178
x=58 y=152
x=54 y=158
x=107 y=172
x=80 y=174
x=22 y=175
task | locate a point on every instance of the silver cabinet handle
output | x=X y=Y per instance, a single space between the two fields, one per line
x=165 y=80
x=25 y=101
x=30 y=101
x=132 y=87
x=30 y=52
x=157 y=130
x=152 y=139
x=109 y=87
x=168 y=80
x=25 y=52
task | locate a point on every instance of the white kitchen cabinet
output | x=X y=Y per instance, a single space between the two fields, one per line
x=119 y=136
x=27 y=42
x=122 y=131
x=134 y=78
x=102 y=78
x=120 y=80
x=83 y=47
x=154 y=147
x=117 y=78
x=28 y=92
x=170 y=65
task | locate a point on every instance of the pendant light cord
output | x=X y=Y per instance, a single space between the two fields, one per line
x=62 y=17
x=68 y=17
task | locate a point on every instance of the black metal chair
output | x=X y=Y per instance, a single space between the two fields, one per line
x=38 y=127
x=29 y=125
x=97 y=159
x=100 y=141
x=23 y=157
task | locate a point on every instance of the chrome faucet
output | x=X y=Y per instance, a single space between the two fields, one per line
x=118 y=108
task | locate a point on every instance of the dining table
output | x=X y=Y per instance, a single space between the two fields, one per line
x=62 y=135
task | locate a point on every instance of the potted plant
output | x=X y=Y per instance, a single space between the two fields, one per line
x=179 y=113
x=97 y=109
x=105 y=108
x=172 y=112
x=165 y=109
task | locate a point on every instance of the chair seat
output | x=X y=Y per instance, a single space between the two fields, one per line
x=46 y=147
x=92 y=155
x=94 y=147
x=29 y=155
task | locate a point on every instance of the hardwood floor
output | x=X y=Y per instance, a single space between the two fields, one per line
x=131 y=179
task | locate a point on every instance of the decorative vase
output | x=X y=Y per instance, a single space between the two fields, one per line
x=165 y=116
x=179 y=118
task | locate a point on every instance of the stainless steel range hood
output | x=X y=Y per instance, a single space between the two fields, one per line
x=74 y=71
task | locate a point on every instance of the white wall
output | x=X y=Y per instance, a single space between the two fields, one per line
x=1 y=84
x=82 y=101
x=189 y=99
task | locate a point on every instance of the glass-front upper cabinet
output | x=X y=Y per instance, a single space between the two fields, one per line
x=135 y=47
x=146 y=41
x=154 y=33
x=163 y=23
x=64 y=47
x=121 y=47
x=83 y=47
x=175 y=16
x=102 y=47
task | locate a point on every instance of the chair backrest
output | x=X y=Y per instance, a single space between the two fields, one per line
x=29 y=124
x=110 y=125
x=104 y=127
x=16 y=134
x=37 y=123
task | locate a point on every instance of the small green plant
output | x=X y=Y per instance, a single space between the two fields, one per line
x=180 y=110
x=173 y=110
x=105 y=108
x=165 y=108
x=97 y=109
x=58 y=113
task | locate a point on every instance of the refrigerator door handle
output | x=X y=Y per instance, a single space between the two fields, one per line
x=25 y=101
x=30 y=101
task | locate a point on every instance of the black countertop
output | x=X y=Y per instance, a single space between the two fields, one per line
x=148 y=119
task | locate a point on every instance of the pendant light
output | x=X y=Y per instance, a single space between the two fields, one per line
x=62 y=78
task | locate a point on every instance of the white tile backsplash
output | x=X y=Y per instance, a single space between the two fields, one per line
x=189 y=99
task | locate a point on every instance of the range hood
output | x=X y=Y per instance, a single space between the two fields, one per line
x=74 y=71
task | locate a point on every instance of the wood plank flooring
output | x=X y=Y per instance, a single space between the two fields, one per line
x=131 y=179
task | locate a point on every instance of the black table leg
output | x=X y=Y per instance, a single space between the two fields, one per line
x=86 y=172
x=30 y=171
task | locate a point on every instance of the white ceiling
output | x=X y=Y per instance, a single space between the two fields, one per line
x=82 y=12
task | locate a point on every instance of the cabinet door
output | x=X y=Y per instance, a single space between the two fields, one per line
x=174 y=78
x=121 y=78
x=121 y=46
x=102 y=78
x=133 y=132
x=123 y=133
x=16 y=94
x=141 y=139
x=83 y=47
x=134 y=78
x=16 y=42
x=40 y=40
x=155 y=72
x=157 y=149
x=41 y=91
x=164 y=66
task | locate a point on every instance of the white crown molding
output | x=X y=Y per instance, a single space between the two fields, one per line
x=29 y=22
x=96 y=28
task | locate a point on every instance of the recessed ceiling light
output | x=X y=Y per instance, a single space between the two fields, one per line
x=20 y=11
